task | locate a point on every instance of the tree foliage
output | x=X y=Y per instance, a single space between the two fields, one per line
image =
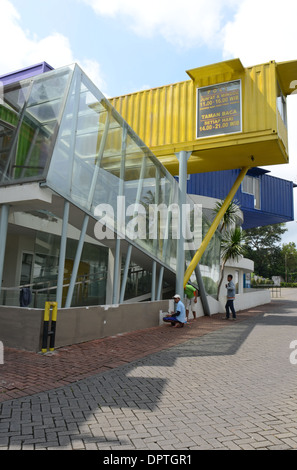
x=232 y=239
x=230 y=217
x=264 y=237
x=262 y=245
x=289 y=259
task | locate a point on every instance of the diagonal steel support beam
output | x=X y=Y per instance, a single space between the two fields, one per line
x=214 y=225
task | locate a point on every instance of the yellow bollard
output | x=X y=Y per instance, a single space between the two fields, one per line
x=46 y=320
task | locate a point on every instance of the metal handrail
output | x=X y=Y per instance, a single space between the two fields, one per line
x=92 y=278
x=47 y=288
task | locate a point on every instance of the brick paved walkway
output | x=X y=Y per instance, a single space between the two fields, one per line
x=213 y=385
x=24 y=373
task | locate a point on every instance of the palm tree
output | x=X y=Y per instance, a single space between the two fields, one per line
x=232 y=247
x=232 y=238
x=231 y=215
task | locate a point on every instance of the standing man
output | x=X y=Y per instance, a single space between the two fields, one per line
x=191 y=300
x=230 y=297
x=177 y=319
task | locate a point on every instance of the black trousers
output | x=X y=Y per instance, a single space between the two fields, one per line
x=230 y=306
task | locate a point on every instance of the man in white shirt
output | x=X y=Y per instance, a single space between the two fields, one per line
x=177 y=319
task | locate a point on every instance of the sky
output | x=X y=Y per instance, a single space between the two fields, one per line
x=130 y=45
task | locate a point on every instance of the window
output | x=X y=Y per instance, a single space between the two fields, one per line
x=281 y=104
x=251 y=185
x=26 y=269
x=236 y=281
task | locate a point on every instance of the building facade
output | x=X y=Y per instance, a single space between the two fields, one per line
x=262 y=198
x=73 y=175
x=76 y=188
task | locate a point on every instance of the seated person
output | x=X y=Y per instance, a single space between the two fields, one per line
x=177 y=319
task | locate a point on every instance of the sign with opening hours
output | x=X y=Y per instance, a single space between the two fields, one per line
x=219 y=109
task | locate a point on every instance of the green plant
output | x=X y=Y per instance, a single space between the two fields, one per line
x=231 y=248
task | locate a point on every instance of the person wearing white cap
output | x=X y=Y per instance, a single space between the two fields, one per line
x=177 y=319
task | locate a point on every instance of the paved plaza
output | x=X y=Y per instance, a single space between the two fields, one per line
x=214 y=384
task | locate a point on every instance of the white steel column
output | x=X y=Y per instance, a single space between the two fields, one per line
x=183 y=157
x=3 y=236
x=76 y=262
x=154 y=271
x=125 y=275
x=62 y=254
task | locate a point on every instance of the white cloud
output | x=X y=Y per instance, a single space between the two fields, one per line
x=264 y=30
x=21 y=48
x=184 y=23
x=256 y=31
x=93 y=70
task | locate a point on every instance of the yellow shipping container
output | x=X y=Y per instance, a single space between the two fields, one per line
x=228 y=116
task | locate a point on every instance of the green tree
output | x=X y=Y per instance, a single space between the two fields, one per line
x=289 y=261
x=262 y=245
x=231 y=216
x=232 y=244
x=232 y=248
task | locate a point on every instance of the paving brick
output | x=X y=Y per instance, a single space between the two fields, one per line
x=214 y=385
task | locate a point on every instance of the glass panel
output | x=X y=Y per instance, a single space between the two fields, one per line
x=60 y=170
x=92 y=275
x=257 y=193
x=31 y=109
x=61 y=122
x=92 y=128
x=13 y=100
x=11 y=106
x=26 y=271
x=210 y=261
x=98 y=158
x=281 y=104
x=251 y=185
x=139 y=282
x=91 y=278
x=6 y=135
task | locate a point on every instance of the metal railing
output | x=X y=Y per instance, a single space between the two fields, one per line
x=10 y=296
x=274 y=290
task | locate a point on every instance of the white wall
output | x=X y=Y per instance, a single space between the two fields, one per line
x=243 y=301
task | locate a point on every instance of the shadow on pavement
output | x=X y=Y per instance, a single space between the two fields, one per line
x=118 y=388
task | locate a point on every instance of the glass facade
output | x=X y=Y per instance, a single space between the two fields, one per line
x=30 y=112
x=98 y=158
x=59 y=129
x=40 y=254
x=90 y=288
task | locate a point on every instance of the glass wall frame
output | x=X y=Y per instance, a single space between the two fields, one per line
x=30 y=114
x=60 y=129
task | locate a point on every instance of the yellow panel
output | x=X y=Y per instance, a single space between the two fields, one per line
x=168 y=114
x=229 y=69
x=165 y=118
x=228 y=157
x=287 y=72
